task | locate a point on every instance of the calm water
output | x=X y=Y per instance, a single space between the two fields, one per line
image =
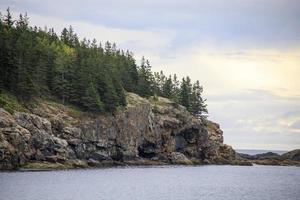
x=155 y=183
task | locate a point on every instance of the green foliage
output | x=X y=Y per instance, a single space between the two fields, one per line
x=145 y=79
x=10 y=103
x=185 y=93
x=38 y=63
x=167 y=87
x=91 y=100
x=198 y=106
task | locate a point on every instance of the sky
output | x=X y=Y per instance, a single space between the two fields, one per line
x=246 y=54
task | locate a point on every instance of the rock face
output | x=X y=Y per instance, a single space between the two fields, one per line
x=267 y=155
x=292 y=155
x=157 y=131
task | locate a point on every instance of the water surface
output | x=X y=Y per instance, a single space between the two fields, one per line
x=155 y=183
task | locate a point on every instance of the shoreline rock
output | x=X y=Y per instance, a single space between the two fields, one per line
x=146 y=132
x=291 y=158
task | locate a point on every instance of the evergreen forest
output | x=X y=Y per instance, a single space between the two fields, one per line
x=39 y=63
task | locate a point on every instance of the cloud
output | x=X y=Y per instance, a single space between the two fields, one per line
x=257 y=95
x=224 y=70
x=256 y=23
x=245 y=53
x=257 y=119
x=142 y=41
x=296 y=125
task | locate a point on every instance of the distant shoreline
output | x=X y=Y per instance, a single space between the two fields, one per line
x=259 y=151
x=271 y=157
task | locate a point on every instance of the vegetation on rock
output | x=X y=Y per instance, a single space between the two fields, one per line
x=145 y=132
x=37 y=62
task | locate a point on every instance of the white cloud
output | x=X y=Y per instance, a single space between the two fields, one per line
x=252 y=92
x=227 y=74
x=141 y=41
x=226 y=69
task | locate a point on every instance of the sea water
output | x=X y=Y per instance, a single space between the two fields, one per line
x=155 y=183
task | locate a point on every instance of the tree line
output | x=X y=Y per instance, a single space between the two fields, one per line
x=36 y=62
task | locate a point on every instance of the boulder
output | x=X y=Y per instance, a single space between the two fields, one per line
x=179 y=158
x=33 y=123
x=6 y=119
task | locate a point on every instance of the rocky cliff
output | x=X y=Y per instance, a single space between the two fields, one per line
x=145 y=132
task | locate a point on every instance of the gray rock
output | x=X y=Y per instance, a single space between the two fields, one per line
x=145 y=130
x=179 y=158
x=100 y=155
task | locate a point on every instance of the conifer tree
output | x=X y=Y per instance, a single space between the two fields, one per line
x=35 y=62
x=156 y=84
x=176 y=89
x=168 y=87
x=8 y=20
x=145 y=77
x=91 y=99
x=198 y=106
x=185 y=93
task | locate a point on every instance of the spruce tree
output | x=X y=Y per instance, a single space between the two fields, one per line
x=176 y=89
x=35 y=62
x=145 y=77
x=168 y=87
x=8 y=20
x=198 y=106
x=185 y=93
x=91 y=99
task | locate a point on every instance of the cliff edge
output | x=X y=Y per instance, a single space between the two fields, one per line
x=147 y=131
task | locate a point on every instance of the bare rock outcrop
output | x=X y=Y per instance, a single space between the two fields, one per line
x=159 y=131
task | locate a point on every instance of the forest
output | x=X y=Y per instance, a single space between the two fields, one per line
x=39 y=63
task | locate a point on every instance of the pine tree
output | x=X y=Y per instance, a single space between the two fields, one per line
x=168 y=87
x=145 y=77
x=91 y=99
x=156 y=84
x=64 y=37
x=108 y=48
x=131 y=69
x=198 y=106
x=185 y=93
x=22 y=23
x=3 y=56
x=63 y=63
x=8 y=18
x=35 y=62
x=176 y=89
x=24 y=62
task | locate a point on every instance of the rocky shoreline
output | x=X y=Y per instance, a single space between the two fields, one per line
x=291 y=158
x=242 y=160
x=147 y=132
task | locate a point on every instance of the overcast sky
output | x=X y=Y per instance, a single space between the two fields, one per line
x=246 y=54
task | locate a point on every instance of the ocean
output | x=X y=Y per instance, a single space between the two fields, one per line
x=208 y=182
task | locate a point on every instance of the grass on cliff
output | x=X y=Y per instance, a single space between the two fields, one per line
x=71 y=110
x=10 y=103
x=134 y=99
